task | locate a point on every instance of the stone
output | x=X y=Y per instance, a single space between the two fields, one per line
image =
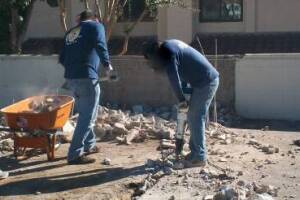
x=158 y=175
x=172 y=197
x=222 y=137
x=178 y=165
x=119 y=129
x=241 y=183
x=106 y=161
x=168 y=134
x=225 y=194
x=253 y=142
x=168 y=170
x=208 y=197
x=150 y=163
x=167 y=145
x=222 y=160
x=132 y=134
x=265 y=189
x=6 y=145
x=120 y=140
x=263 y=196
x=297 y=142
x=265 y=148
x=240 y=173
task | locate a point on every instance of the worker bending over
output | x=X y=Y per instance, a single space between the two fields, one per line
x=183 y=65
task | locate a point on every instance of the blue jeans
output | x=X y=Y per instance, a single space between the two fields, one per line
x=199 y=104
x=87 y=95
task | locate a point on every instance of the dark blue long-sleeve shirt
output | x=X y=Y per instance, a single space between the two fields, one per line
x=185 y=64
x=84 y=48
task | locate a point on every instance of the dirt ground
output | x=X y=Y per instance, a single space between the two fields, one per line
x=35 y=178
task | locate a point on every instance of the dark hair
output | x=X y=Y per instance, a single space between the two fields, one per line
x=152 y=51
x=151 y=48
x=85 y=15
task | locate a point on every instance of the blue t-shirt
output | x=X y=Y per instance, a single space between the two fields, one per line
x=186 y=65
x=84 y=48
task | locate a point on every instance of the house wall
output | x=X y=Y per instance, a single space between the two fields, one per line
x=267 y=86
x=258 y=16
x=45 y=22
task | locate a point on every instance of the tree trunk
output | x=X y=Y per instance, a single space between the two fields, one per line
x=99 y=10
x=14 y=30
x=23 y=32
x=125 y=45
x=63 y=14
x=129 y=30
x=86 y=4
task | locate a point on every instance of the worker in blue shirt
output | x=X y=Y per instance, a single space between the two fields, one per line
x=184 y=64
x=84 y=48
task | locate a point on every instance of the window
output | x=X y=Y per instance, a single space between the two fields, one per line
x=133 y=9
x=221 y=10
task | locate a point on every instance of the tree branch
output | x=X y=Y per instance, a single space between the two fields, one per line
x=86 y=4
x=63 y=14
x=23 y=32
x=129 y=30
x=99 y=10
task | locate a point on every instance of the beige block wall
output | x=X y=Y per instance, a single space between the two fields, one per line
x=267 y=86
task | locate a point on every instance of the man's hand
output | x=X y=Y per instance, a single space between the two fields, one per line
x=111 y=74
x=182 y=106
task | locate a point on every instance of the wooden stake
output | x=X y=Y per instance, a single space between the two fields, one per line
x=215 y=114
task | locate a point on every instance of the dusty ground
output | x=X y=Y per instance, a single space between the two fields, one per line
x=35 y=178
x=282 y=171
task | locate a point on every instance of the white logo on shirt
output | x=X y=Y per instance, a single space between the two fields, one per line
x=73 y=36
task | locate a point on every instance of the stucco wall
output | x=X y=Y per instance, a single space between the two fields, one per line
x=267 y=86
x=23 y=76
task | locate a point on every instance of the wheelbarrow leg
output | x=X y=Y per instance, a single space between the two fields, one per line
x=51 y=146
x=53 y=141
x=15 y=146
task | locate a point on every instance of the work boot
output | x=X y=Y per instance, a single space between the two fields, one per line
x=93 y=150
x=191 y=163
x=82 y=160
x=3 y=175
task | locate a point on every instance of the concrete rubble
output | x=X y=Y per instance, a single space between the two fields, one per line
x=43 y=104
x=267 y=148
x=127 y=127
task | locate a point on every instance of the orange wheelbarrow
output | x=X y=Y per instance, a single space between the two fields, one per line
x=20 y=119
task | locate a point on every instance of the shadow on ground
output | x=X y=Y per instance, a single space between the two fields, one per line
x=69 y=181
x=272 y=125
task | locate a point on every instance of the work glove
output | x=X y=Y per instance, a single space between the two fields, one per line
x=111 y=74
x=182 y=106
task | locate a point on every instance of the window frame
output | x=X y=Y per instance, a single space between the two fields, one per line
x=201 y=20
